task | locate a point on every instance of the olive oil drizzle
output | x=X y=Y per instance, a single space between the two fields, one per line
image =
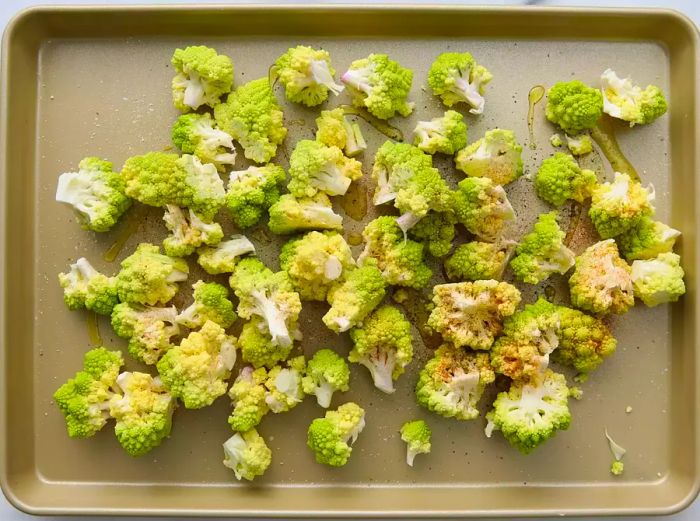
x=382 y=126
x=603 y=134
x=533 y=98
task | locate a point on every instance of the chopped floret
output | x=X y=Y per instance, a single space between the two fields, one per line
x=307 y=75
x=659 y=280
x=207 y=188
x=479 y=260
x=252 y=191
x=315 y=167
x=85 y=287
x=624 y=100
x=330 y=437
x=247 y=455
x=284 y=388
x=210 y=303
x=257 y=347
x=334 y=130
x=620 y=205
x=559 y=179
x=436 y=231
x=617 y=468
x=497 y=156
x=457 y=78
x=156 y=179
x=647 y=239
x=290 y=215
x=188 y=232
x=223 y=257
x=555 y=140
x=416 y=434
x=326 y=373
x=203 y=76
x=248 y=398
x=483 y=207
x=579 y=145
x=584 y=341
x=148 y=330
x=446 y=134
x=574 y=106
x=195 y=134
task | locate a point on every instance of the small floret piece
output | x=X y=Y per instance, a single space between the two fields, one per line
x=257 y=347
x=497 y=156
x=559 y=179
x=95 y=192
x=149 y=277
x=542 y=252
x=290 y=215
x=85 y=287
x=143 y=409
x=222 y=258
x=314 y=167
x=330 y=437
x=618 y=206
x=602 y=282
x=446 y=134
x=452 y=382
x=195 y=134
x=658 y=281
x=555 y=140
x=252 y=191
x=188 y=232
x=579 y=145
x=574 y=106
x=248 y=398
x=624 y=100
x=379 y=84
x=148 y=329
x=416 y=434
x=617 y=468
x=483 y=207
x=247 y=455
x=84 y=399
x=436 y=231
x=334 y=130
x=284 y=388
x=316 y=261
x=355 y=298
x=210 y=303
x=457 y=78
x=202 y=77
x=384 y=345
x=647 y=239
x=307 y=75
x=471 y=313
x=326 y=373
x=253 y=117
x=479 y=260
x=197 y=370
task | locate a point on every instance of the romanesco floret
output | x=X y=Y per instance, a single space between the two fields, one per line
x=195 y=134
x=256 y=345
x=446 y=134
x=384 y=345
x=617 y=468
x=207 y=188
x=84 y=399
x=326 y=373
x=284 y=387
x=618 y=206
x=542 y=252
x=471 y=313
x=85 y=287
x=222 y=258
x=479 y=260
x=602 y=282
x=659 y=280
x=248 y=399
x=334 y=130
x=559 y=179
x=95 y=192
x=149 y=277
x=197 y=370
x=148 y=329
x=531 y=413
x=497 y=156
x=379 y=84
x=210 y=303
x=290 y=215
x=457 y=78
x=647 y=239
x=555 y=140
x=482 y=207
x=307 y=75
x=574 y=106
x=624 y=100
x=330 y=437
x=416 y=434
x=156 y=179
x=355 y=298
x=316 y=261
x=253 y=117
x=252 y=191
x=203 y=76
x=315 y=167
x=436 y=231
x=143 y=409
x=247 y=455
x=579 y=145
x=268 y=295
x=452 y=382
x=188 y=231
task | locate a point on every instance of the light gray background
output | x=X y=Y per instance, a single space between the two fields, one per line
x=690 y=7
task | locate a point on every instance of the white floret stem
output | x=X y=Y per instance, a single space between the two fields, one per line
x=354 y=140
x=213 y=137
x=333 y=268
x=384 y=191
x=331 y=180
x=470 y=93
x=381 y=367
x=322 y=75
x=194 y=91
x=323 y=392
x=188 y=316
x=226 y=159
x=322 y=214
x=358 y=79
x=274 y=319
x=410 y=456
x=234 y=448
x=407 y=221
x=85 y=268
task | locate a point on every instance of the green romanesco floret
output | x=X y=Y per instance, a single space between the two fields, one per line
x=256 y=345
x=334 y=130
x=284 y=387
x=618 y=206
x=84 y=399
x=617 y=468
x=290 y=215
x=384 y=345
x=149 y=277
x=379 y=84
x=579 y=145
x=471 y=313
x=497 y=156
x=196 y=134
x=316 y=261
x=355 y=298
x=647 y=239
x=542 y=252
x=202 y=77
x=330 y=438
x=482 y=207
x=326 y=373
x=479 y=260
x=247 y=455
x=315 y=167
x=223 y=257
x=208 y=194
x=452 y=382
x=253 y=117
x=457 y=78
x=531 y=413
x=624 y=100
x=602 y=282
x=248 y=399
x=446 y=134
x=573 y=106
x=188 y=231
x=559 y=179
x=555 y=140
x=307 y=75
x=95 y=192
x=149 y=330
x=197 y=370
x=252 y=191
x=85 y=287
x=143 y=409
x=417 y=435
x=211 y=302
x=659 y=280
x=436 y=231
x=268 y=295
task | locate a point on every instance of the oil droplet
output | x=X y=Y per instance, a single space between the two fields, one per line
x=354 y=202
x=418 y=306
x=354 y=239
x=381 y=126
x=575 y=211
x=128 y=227
x=93 y=329
x=604 y=135
x=533 y=98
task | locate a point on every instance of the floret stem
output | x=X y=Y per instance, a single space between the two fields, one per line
x=354 y=140
x=85 y=268
x=407 y=221
x=274 y=319
x=194 y=91
x=333 y=268
x=323 y=392
x=470 y=92
x=358 y=79
x=384 y=192
x=322 y=75
x=331 y=180
x=381 y=367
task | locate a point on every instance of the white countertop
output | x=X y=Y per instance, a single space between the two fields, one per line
x=690 y=7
